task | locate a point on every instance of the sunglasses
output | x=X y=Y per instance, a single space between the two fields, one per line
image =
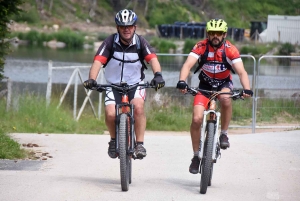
x=126 y=27
x=218 y=33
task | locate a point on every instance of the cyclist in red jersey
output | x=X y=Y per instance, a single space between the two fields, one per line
x=214 y=73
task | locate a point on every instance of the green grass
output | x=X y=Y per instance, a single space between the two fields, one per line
x=278 y=110
x=10 y=149
x=29 y=114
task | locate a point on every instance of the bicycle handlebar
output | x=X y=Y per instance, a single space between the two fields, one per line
x=124 y=87
x=235 y=94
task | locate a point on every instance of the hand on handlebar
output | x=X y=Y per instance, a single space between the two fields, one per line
x=182 y=86
x=247 y=93
x=158 y=81
x=90 y=83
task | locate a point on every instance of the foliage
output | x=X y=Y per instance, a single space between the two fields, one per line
x=70 y=38
x=188 y=45
x=237 y=13
x=251 y=10
x=286 y=49
x=9 y=149
x=30 y=114
x=7 y=8
x=176 y=12
x=163 y=45
x=257 y=49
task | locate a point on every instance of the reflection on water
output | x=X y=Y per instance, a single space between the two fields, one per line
x=46 y=54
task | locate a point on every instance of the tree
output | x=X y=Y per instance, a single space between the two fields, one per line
x=7 y=9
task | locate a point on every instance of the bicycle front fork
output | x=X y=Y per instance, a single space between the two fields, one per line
x=216 y=151
x=130 y=124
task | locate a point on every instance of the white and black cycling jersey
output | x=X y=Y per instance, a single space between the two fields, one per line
x=125 y=64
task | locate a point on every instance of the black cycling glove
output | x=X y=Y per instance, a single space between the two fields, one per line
x=248 y=92
x=181 y=85
x=158 y=81
x=90 y=83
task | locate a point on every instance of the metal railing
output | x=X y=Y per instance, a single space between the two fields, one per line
x=76 y=73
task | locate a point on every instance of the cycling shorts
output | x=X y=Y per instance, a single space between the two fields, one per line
x=203 y=99
x=112 y=96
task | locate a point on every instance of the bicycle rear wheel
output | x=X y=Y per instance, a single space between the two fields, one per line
x=125 y=159
x=207 y=162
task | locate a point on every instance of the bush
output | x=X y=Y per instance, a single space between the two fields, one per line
x=163 y=45
x=286 y=49
x=188 y=45
x=72 y=39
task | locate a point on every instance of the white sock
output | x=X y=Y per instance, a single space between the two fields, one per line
x=224 y=132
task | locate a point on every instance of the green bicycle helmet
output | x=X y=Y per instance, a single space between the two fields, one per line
x=216 y=25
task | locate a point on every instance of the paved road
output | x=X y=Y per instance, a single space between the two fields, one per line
x=256 y=167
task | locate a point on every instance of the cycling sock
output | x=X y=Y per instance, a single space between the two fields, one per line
x=137 y=143
x=112 y=139
x=196 y=153
x=224 y=132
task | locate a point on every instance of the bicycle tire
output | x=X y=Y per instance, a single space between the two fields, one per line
x=130 y=157
x=210 y=174
x=124 y=158
x=207 y=157
x=130 y=169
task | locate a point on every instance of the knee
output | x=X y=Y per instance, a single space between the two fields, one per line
x=226 y=102
x=138 y=110
x=196 y=122
x=110 y=115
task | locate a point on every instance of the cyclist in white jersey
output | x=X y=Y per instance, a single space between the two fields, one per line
x=119 y=55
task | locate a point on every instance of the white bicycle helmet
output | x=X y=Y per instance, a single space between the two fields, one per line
x=126 y=18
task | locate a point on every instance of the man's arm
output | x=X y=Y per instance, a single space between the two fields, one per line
x=95 y=68
x=242 y=73
x=155 y=65
x=185 y=70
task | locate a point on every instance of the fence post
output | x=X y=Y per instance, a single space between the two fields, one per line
x=8 y=101
x=75 y=95
x=49 y=83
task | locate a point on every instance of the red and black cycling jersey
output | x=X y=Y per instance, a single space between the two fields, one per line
x=128 y=71
x=214 y=71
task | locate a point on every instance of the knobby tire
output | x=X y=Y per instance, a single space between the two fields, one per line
x=207 y=162
x=125 y=161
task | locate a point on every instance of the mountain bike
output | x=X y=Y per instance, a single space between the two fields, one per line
x=125 y=134
x=209 y=147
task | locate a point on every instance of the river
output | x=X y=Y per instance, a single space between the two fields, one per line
x=30 y=65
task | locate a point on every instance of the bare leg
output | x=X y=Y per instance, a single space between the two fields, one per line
x=140 y=119
x=110 y=119
x=196 y=125
x=226 y=110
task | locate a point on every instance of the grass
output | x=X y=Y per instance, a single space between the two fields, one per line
x=10 y=149
x=29 y=114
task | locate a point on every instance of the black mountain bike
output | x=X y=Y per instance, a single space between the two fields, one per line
x=125 y=134
x=209 y=147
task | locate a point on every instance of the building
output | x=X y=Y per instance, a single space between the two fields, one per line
x=283 y=29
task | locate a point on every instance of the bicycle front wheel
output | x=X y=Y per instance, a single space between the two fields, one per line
x=207 y=162
x=125 y=160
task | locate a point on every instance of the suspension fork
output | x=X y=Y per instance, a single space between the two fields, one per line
x=128 y=109
x=209 y=115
